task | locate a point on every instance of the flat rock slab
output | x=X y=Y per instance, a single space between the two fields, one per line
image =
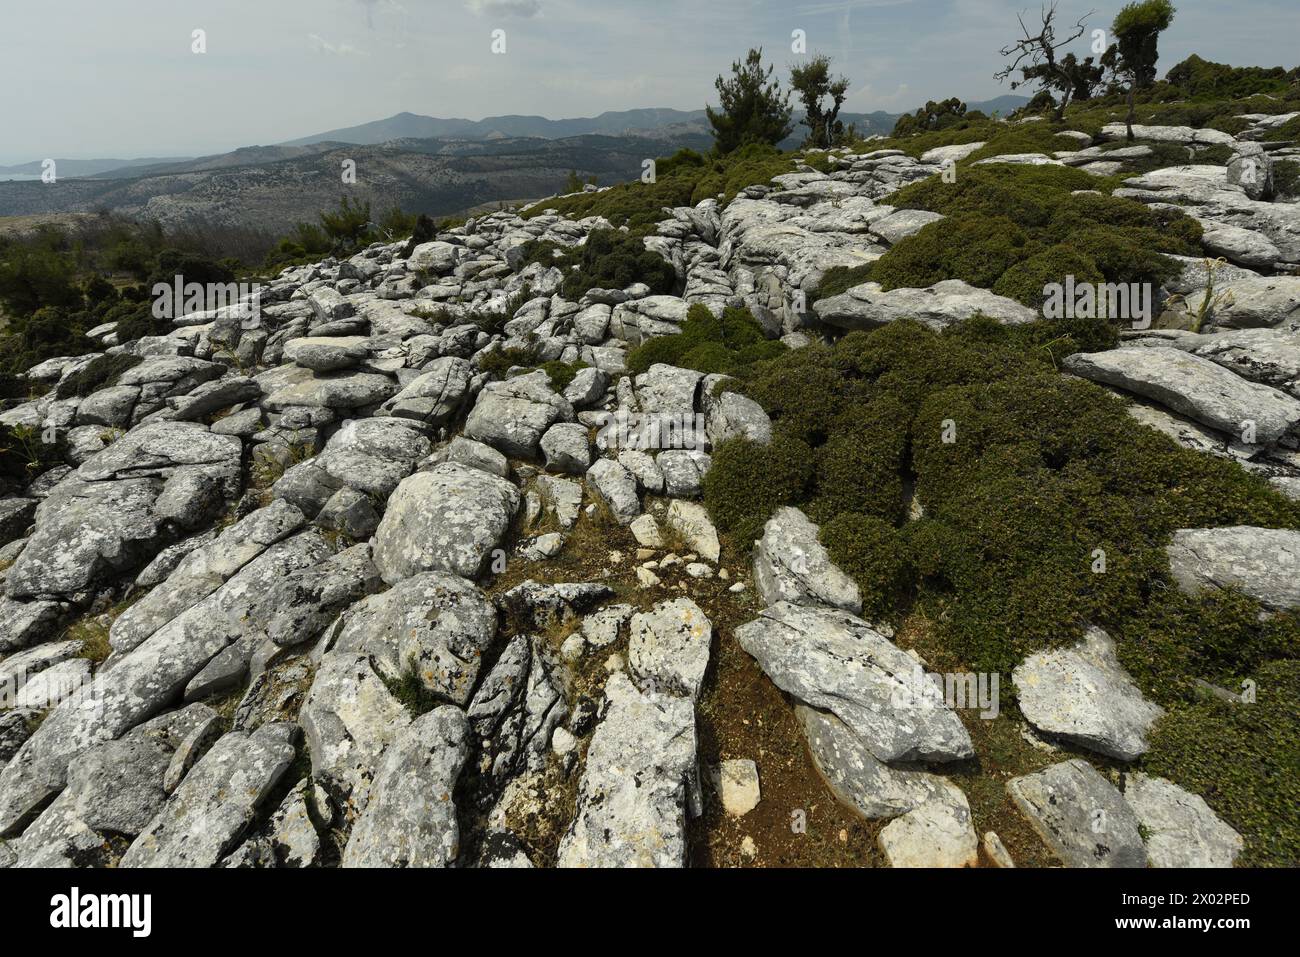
x=632 y=798
x=208 y=814
x=668 y=650
x=1180 y=828
x=1270 y=356
x=447 y=519
x=436 y=395
x=348 y=718
x=1083 y=694
x=1194 y=387
x=939 y=833
x=1264 y=563
x=837 y=662
x=790 y=564
x=856 y=776
x=146 y=680
x=86 y=531
x=334 y=390
x=436 y=625
x=1080 y=816
x=410 y=819
x=938 y=306
x=326 y=353
x=512 y=416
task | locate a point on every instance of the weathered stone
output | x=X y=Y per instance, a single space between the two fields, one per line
x=862 y=782
x=208 y=814
x=1195 y=387
x=616 y=488
x=567 y=448
x=410 y=819
x=632 y=797
x=435 y=625
x=690 y=520
x=790 y=564
x=835 y=661
x=436 y=395
x=668 y=651
x=326 y=353
x=1264 y=563
x=447 y=519
x=938 y=306
x=512 y=416
x=737 y=786
x=1180 y=829
x=348 y=718
x=939 y=833
x=1080 y=816
x=1083 y=695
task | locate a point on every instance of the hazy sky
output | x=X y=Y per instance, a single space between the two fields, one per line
x=117 y=78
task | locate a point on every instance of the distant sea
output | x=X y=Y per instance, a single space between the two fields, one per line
x=17 y=177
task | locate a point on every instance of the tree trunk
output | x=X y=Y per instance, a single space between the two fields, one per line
x=1132 y=112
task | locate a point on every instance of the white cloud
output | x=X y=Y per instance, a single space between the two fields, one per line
x=504 y=8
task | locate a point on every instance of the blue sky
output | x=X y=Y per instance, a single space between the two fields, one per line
x=96 y=78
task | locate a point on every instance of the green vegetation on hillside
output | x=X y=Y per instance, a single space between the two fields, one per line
x=1045 y=508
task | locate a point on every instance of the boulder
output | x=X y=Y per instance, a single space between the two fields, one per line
x=436 y=395
x=614 y=485
x=208 y=814
x=1083 y=694
x=1180 y=829
x=448 y=519
x=512 y=416
x=939 y=833
x=434 y=625
x=348 y=718
x=938 y=306
x=1080 y=816
x=327 y=353
x=790 y=564
x=410 y=819
x=856 y=776
x=1264 y=563
x=632 y=797
x=668 y=651
x=832 y=660
x=1197 y=388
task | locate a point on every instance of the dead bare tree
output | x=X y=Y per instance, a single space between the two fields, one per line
x=1037 y=57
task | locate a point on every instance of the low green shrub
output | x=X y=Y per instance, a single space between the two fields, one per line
x=727 y=344
x=1244 y=760
x=873 y=553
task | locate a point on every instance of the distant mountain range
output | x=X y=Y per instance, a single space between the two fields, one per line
x=421 y=163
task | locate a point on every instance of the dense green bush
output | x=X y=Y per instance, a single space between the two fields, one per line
x=1286 y=178
x=975 y=248
x=1197 y=78
x=611 y=259
x=1045 y=509
x=1244 y=760
x=726 y=345
x=871 y=552
x=840 y=279
x=747 y=482
x=1013 y=229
